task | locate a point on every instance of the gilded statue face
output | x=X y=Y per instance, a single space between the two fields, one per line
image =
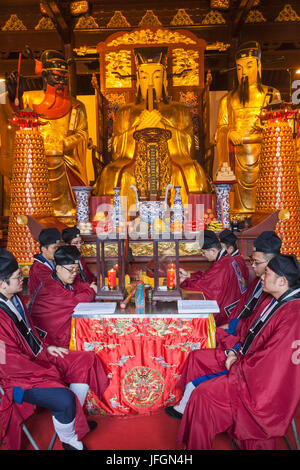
x=151 y=75
x=247 y=67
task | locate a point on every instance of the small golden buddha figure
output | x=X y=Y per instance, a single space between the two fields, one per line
x=147 y=113
x=239 y=133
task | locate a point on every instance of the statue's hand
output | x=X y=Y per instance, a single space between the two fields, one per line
x=149 y=119
x=235 y=137
x=11 y=84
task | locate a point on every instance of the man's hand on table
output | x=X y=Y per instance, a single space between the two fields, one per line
x=57 y=351
x=183 y=274
x=231 y=358
x=93 y=285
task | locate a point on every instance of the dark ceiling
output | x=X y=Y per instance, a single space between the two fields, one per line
x=280 y=40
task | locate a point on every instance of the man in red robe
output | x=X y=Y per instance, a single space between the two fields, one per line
x=71 y=236
x=34 y=372
x=244 y=390
x=223 y=281
x=228 y=241
x=44 y=264
x=265 y=247
x=54 y=303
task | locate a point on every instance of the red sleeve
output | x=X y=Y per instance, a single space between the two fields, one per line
x=210 y=282
x=265 y=383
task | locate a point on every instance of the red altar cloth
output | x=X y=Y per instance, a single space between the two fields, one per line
x=145 y=357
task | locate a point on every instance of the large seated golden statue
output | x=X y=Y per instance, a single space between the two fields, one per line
x=152 y=110
x=239 y=134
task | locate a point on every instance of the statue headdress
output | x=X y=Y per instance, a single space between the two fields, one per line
x=151 y=55
x=249 y=49
x=51 y=60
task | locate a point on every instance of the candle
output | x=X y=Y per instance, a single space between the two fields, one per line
x=171 y=277
x=112 y=278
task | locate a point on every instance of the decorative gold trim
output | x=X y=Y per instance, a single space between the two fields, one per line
x=79 y=7
x=185 y=59
x=255 y=16
x=86 y=22
x=43 y=9
x=147 y=36
x=85 y=50
x=149 y=19
x=182 y=18
x=218 y=46
x=14 y=24
x=118 y=64
x=45 y=24
x=118 y=20
x=220 y=4
x=213 y=17
x=287 y=14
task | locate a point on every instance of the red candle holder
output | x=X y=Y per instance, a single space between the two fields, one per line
x=112 y=278
x=171 y=277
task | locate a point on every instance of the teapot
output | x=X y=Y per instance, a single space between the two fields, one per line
x=149 y=211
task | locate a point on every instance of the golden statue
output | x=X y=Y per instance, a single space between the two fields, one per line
x=152 y=110
x=239 y=133
x=65 y=134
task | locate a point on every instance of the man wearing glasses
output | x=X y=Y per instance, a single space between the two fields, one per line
x=71 y=236
x=44 y=264
x=255 y=390
x=34 y=371
x=54 y=303
x=223 y=281
x=265 y=247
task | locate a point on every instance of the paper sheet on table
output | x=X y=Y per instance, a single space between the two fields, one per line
x=197 y=306
x=94 y=308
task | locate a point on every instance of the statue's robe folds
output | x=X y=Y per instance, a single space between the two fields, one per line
x=65 y=141
x=243 y=159
x=186 y=172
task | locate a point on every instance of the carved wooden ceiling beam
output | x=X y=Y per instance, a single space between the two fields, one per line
x=62 y=21
x=240 y=16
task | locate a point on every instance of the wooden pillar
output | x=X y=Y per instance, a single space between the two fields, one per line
x=68 y=50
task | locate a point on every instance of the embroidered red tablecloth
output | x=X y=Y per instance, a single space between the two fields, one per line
x=144 y=357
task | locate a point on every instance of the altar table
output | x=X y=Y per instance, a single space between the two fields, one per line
x=144 y=354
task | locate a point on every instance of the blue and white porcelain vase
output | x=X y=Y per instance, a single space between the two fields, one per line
x=117 y=208
x=177 y=205
x=223 y=207
x=82 y=207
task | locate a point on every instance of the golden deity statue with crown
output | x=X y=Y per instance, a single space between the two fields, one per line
x=239 y=131
x=152 y=111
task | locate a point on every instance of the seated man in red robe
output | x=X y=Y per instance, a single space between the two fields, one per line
x=223 y=281
x=244 y=389
x=71 y=236
x=34 y=372
x=44 y=264
x=54 y=303
x=265 y=247
x=228 y=241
